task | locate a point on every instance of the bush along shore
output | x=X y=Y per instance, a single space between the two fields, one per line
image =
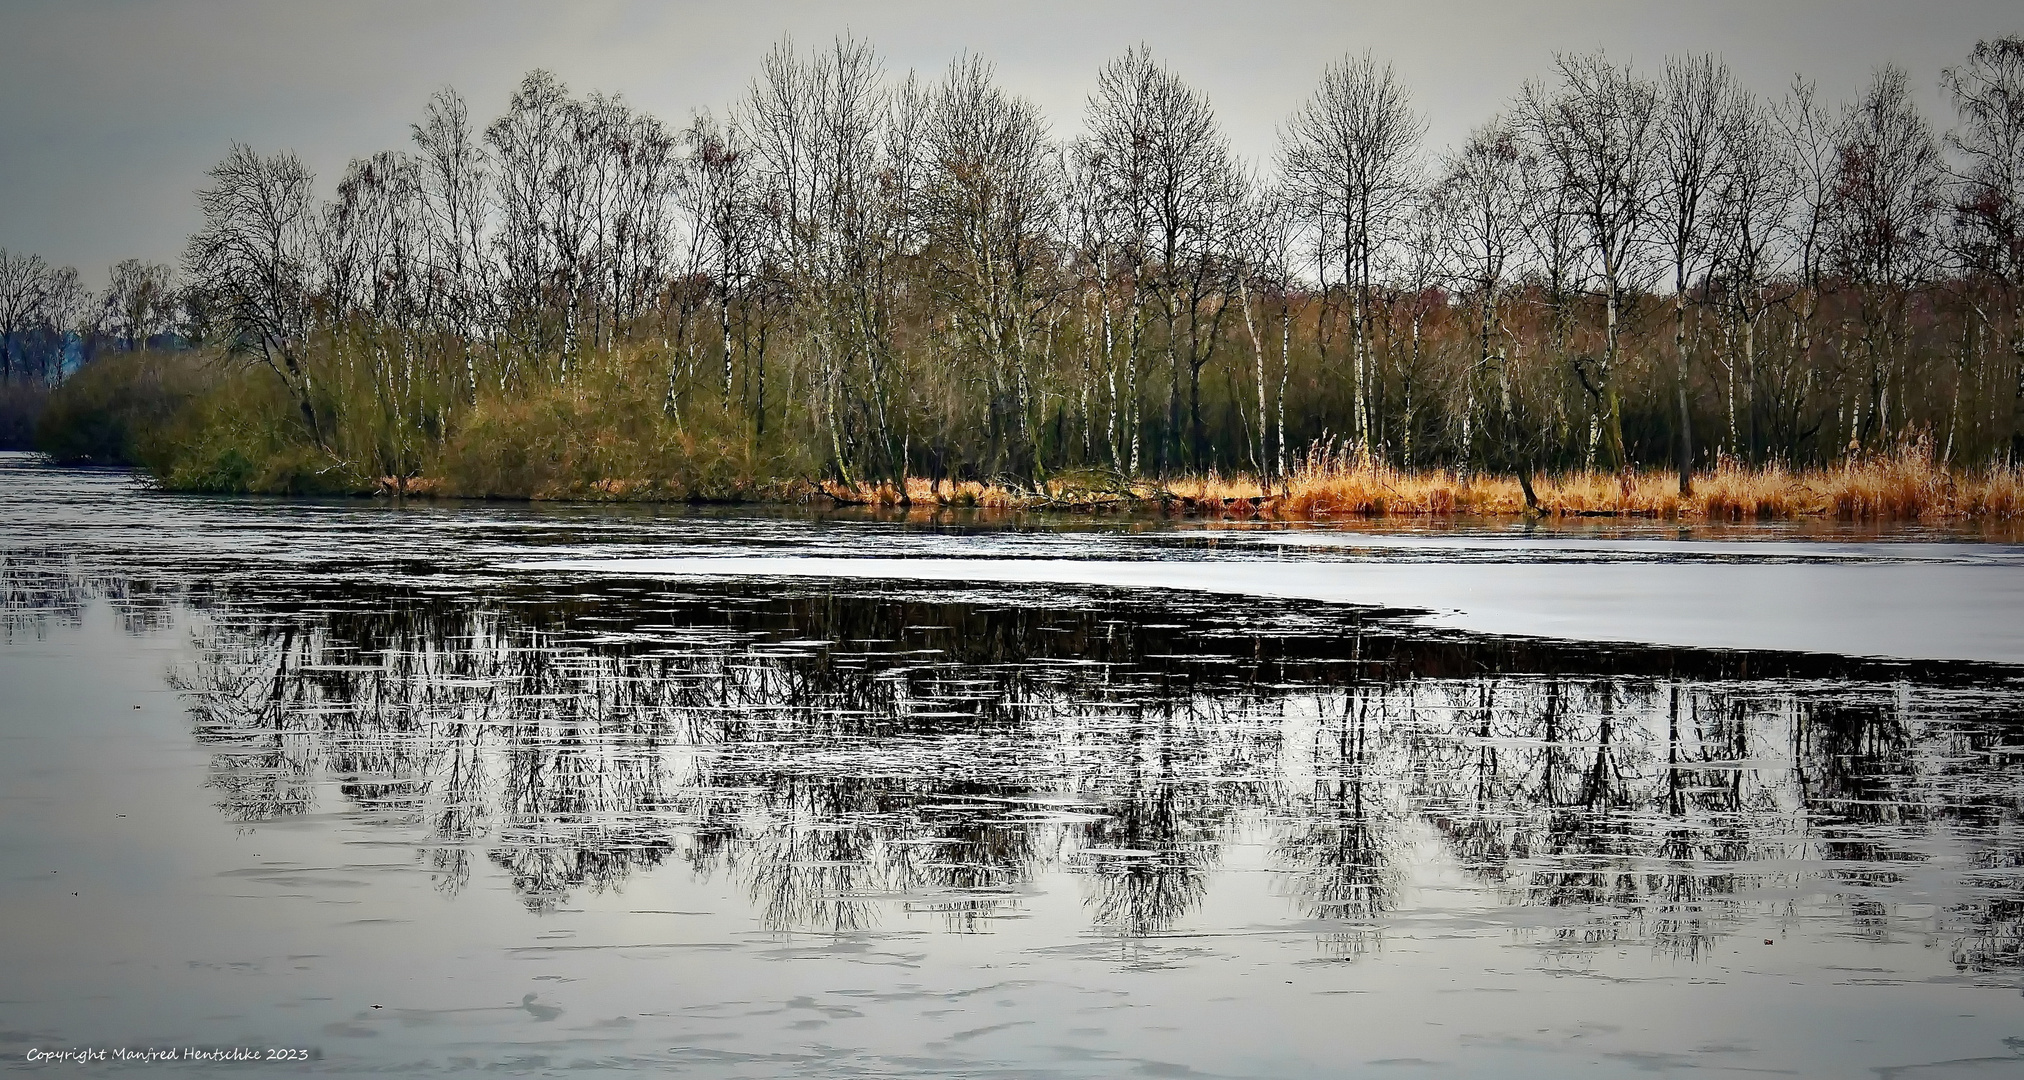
x=201 y=423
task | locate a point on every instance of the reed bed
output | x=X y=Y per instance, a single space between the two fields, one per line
x=1906 y=485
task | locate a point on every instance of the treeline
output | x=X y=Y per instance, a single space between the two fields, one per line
x=51 y=324
x=858 y=276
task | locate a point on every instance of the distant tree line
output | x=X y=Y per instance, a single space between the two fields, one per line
x=913 y=276
x=49 y=321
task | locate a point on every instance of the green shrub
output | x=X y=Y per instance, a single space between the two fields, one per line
x=106 y=410
x=603 y=435
x=201 y=423
x=244 y=435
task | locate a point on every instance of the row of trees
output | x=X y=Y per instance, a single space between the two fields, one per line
x=908 y=275
x=49 y=320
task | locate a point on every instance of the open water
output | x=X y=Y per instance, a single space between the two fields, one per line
x=446 y=788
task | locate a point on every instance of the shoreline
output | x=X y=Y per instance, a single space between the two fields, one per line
x=1894 y=489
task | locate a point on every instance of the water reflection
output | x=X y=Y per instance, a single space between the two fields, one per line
x=855 y=758
x=44 y=588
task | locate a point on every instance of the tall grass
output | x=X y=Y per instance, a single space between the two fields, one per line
x=1905 y=485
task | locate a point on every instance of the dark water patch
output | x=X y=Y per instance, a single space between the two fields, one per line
x=574 y=739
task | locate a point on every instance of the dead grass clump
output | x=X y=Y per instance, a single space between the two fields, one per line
x=1997 y=493
x=1734 y=493
x=881 y=494
x=1342 y=482
x=1903 y=486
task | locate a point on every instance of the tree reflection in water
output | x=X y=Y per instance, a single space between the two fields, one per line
x=847 y=755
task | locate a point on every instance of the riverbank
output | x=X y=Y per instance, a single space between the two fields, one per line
x=1903 y=487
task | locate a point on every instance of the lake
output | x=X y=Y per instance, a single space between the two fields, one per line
x=732 y=792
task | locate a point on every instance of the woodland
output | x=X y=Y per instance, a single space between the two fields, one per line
x=892 y=287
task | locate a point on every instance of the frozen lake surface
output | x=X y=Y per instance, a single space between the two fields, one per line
x=724 y=793
x=1932 y=601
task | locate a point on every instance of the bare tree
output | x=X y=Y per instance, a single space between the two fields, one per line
x=139 y=301
x=1419 y=270
x=1600 y=126
x=1750 y=220
x=455 y=182
x=1105 y=235
x=716 y=195
x=254 y=256
x=530 y=142
x=380 y=292
x=1809 y=134
x=1480 y=205
x=1988 y=95
x=371 y=241
x=24 y=303
x=1552 y=264
x=1349 y=155
x=1695 y=90
x=72 y=313
x=991 y=203
x=838 y=154
x=1885 y=221
x=778 y=116
x=1169 y=173
x=1268 y=253
x=629 y=166
x=858 y=213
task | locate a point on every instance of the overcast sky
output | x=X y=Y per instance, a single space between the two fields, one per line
x=111 y=110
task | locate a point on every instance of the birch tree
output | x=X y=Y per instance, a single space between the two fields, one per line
x=1750 y=217
x=1349 y=154
x=1106 y=241
x=716 y=196
x=1600 y=125
x=1884 y=227
x=991 y=203
x=1480 y=205
x=1552 y=258
x=529 y=143
x=1695 y=90
x=1988 y=96
x=1169 y=173
x=376 y=288
x=455 y=175
x=1269 y=253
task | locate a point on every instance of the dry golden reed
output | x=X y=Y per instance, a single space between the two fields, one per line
x=1906 y=485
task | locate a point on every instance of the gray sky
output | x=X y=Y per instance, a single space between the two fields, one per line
x=111 y=110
